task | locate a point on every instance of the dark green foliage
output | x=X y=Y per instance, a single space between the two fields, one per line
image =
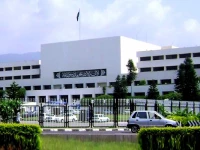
x=15 y=92
x=142 y=82
x=131 y=72
x=21 y=137
x=2 y=93
x=8 y=109
x=185 y=138
x=120 y=87
x=104 y=90
x=153 y=92
x=171 y=96
x=187 y=81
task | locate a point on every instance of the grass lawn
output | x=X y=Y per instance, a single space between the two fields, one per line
x=61 y=143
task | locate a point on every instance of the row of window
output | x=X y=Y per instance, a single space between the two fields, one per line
x=35 y=76
x=20 y=68
x=143 y=93
x=162 y=68
x=163 y=81
x=172 y=56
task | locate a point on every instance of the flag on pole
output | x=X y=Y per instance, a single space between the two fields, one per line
x=77 y=17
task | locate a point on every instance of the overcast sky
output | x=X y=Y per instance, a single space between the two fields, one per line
x=26 y=24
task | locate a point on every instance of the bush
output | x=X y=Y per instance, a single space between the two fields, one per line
x=185 y=138
x=20 y=137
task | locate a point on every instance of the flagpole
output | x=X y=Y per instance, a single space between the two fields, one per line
x=79 y=24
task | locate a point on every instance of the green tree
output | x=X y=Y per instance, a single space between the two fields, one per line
x=132 y=74
x=117 y=87
x=2 y=93
x=120 y=87
x=153 y=92
x=15 y=92
x=187 y=81
x=142 y=82
x=104 y=90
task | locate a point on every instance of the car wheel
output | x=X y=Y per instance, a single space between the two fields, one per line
x=107 y=120
x=168 y=125
x=73 y=120
x=134 y=129
x=62 y=120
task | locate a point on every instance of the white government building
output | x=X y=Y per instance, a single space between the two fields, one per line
x=77 y=69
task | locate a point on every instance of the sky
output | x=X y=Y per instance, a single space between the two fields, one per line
x=26 y=24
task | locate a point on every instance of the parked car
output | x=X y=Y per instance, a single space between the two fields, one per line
x=76 y=111
x=50 y=118
x=139 y=119
x=71 y=118
x=127 y=111
x=107 y=111
x=100 y=118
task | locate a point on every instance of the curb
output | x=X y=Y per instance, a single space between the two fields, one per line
x=72 y=130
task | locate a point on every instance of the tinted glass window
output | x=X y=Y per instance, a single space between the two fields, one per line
x=145 y=58
x=134 y=115
x=142 y=115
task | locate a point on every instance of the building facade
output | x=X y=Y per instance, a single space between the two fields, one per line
x=162 y=65
x=73 y=70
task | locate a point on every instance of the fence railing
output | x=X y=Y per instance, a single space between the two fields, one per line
x=96 y=113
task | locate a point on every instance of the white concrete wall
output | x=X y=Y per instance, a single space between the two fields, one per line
x=129 y=47
x=81 y=55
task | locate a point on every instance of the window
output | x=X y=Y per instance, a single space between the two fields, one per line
x=1 y=88
x=35 y=76
x=17 y=77
x=112 y=83
x=149 y=82
x=79 y=85
x=139 y=93
x=142 y=115
x=185 y=55
x=167 y=92
x=1 y=69
x=1 y=78
x=35 y=66
x=196 y=54
x=166 y=81
x=58 y=86
x=171 y=68
x=53 y=98
x=196 y=66
x=145 y=69
x=8 y=78
x=47 y=87
x=137 y=83
x=158 y=68
x=76 y=97
x=64 y=98
x=68 y=86
x=42 y=99
x=158 y=57
x=26 y=67
x=28 y=88
x=26 y=77
x=145 y=58
x=174 y=56
x=176 y=81
x=31 y=98
x=17 y=68
x=37 y=87
x=90 y=85
x=87 y=96
x=8 y=69
x=134 y=115
x=153 y=115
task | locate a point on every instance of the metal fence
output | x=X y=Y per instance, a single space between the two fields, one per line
x=96 y=113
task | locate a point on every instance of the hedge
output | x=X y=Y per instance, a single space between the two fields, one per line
x=184 y=138
x=20 y=137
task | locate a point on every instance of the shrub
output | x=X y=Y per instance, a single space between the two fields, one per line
x=185 y=138
x=20 y=137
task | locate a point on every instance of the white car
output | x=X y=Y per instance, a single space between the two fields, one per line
x=49 y=117
x=71 y=117
x=76 y=111
x=100 y=118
